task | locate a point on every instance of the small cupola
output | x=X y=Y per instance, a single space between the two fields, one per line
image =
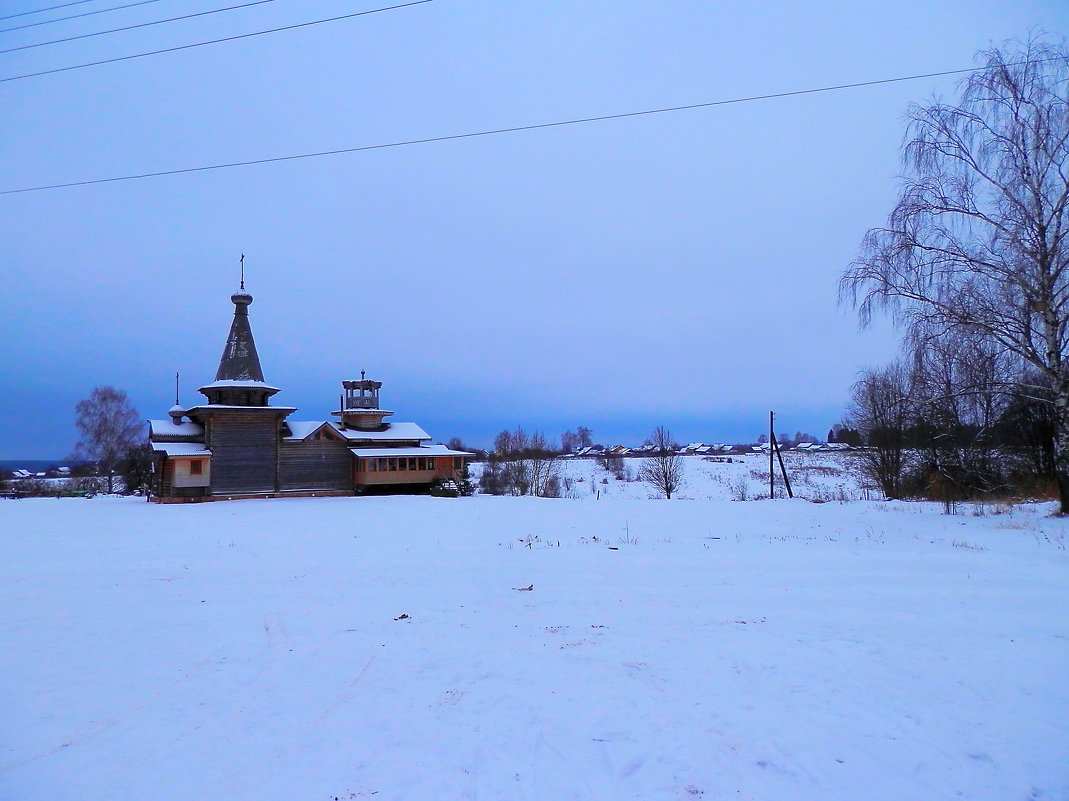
x=176 y=412
x=360 y=405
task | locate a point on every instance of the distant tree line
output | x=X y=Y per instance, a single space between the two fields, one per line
x=522 y=465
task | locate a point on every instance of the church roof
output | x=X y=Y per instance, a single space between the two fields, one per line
x=418 y=450
x=160 y=430
x=391 y=432
x=239 y=361
x=234 y=383
x=300 y=429
x=181 y=448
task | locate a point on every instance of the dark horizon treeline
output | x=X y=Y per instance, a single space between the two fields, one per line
x=955 y=419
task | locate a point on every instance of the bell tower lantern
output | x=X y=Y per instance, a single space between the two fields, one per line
x=360 y=405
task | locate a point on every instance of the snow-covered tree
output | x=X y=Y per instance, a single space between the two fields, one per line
x=111 y=429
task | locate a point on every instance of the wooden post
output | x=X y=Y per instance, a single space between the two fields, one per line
x=786 y=481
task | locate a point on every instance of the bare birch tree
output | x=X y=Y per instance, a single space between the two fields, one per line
x=881 y=409
x=522 y=465
x=544 y=467
x=978 y=238
x=960 y=395
x=664 y=470
x=110 y=429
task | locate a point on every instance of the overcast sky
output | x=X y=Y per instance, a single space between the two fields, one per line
x=675 y=269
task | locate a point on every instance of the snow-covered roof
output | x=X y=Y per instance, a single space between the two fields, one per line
x=181 y=448
x=231 y=383
x=300 y=429
x=168 y=428
x=393 y=432
x=210 y=406
x=421 y=450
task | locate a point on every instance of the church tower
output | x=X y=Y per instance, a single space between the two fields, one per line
x=240 y=429
x=239 y=381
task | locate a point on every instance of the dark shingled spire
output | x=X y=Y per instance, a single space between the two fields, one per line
x=240 y=361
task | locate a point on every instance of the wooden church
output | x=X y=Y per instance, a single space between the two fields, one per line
x=237 y=445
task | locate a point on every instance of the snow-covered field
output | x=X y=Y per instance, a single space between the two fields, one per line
x=818 y=476
x=516 y=648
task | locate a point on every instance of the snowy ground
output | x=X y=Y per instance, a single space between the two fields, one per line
x=516 y=648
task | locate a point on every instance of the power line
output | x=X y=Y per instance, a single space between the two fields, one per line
x=514 y=129
x=139 y=25
x=50 y=8
x=74 y=16
x=213 y=41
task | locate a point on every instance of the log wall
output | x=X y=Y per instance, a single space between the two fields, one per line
x=244 y=453
x=315 y=465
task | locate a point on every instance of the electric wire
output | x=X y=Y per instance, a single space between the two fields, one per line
x=77 y=16
x=135 y=27
x=513 y=129
x=213 y=41
x=50 y=8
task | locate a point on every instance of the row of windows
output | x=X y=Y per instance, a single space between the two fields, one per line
x=396 y=463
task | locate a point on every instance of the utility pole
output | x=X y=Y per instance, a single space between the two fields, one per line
x=771 y=449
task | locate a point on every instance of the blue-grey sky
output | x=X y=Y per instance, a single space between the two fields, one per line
x=675 y=269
